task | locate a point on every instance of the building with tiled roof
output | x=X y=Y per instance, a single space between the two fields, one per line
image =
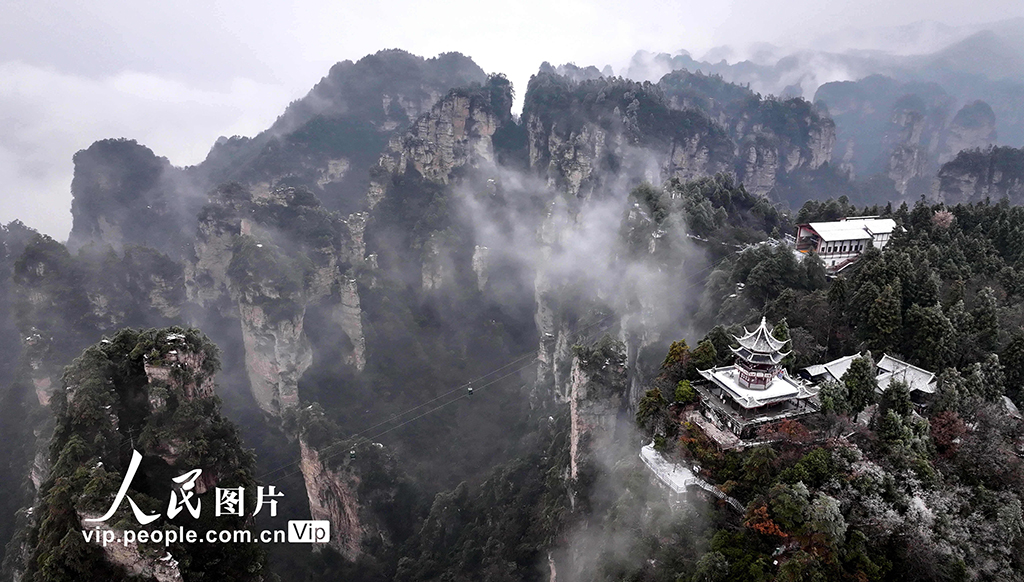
x=920 y=381
x=756 y=389
x=839 y=243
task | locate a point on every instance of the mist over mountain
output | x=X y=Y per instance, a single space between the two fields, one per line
x=867 y=79
x=447 y=329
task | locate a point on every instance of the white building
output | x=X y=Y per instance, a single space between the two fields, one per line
x=839 y=243
x=918 y=380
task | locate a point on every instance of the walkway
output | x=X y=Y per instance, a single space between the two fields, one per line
x=679 y=477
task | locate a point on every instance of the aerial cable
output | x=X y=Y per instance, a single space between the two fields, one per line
x=467 y=388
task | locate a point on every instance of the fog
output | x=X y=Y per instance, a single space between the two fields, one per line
x=177 y=76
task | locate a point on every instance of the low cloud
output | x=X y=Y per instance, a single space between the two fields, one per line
x=47 y=116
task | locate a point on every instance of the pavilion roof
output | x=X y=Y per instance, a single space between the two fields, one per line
x=760 y=340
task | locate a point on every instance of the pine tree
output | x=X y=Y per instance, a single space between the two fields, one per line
x=986 y=320
x=1012 y=359
x=885 y=321
x=704 y=356
x=930 y=337
x=860 y=383
x=896 y=398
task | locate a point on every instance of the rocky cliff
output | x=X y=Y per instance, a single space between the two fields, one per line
x=333 y=497
x=779 y=138
x=455 y=135
x=580 y=132
x=328 y=140
x=356 y=485
x=774 y=138
x=63 y=300
x=598 y=391
x=976 y=175
x=325 y=142
x=125 y=195
x=903 y=130
x=886 y=126
x=910 y=156
x=148 y=394
x=263 y=258
x=974 y=126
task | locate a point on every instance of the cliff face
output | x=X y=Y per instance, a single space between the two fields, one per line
x=325 y=142
x=909 y=158
x=579 y=132
x=779 y=138
x=975 y=175
x=888 y=127
x=903 y=130
x=774 y=138
x=974 y=126
x=455 y=134
x=63 y=300
x=264 y=259
x=365 y=496
x=332 y=497
x=598 y=391
x=760 y=165
x=328 y=140
x=150 y=393
x=124 y=194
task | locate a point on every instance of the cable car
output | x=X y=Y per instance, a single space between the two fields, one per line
x=469 y=391
x=352 y=455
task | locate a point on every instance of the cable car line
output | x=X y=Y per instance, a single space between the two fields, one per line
x=467 y=386
x=394 y=417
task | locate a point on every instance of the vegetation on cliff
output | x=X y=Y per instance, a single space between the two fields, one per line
x=110 y=404
x=922 y=491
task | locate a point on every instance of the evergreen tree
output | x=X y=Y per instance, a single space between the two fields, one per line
x=685 y=394
x=834 y=397
x=930 y=337
x=964 y=334
x=814 y=272
x=651 y=412
x=676 y=361
x=885 y=320
x=721 y=341
x=862 y=301
x=781 y=332
x=837 y=292
x=924 y=289
x=896 y=398
x=1013 y=361
x=704 y=356
x=993 y=378
x=986 y=320
x=860 y=383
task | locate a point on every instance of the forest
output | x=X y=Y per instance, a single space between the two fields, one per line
x=448 y=330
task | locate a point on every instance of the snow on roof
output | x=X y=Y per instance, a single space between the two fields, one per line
x=760 y=340
x=853 y=228
x=782 y=388
x=837 y=368
x=1011 y=408
x=890 y=369
x=916 y=378
x=815 y=370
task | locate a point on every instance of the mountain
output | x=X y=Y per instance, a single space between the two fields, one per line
x=436 y=322
x=950 y=69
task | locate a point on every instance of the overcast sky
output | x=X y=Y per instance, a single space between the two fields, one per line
x=176 y=75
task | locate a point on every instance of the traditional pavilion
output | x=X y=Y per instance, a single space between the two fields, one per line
x=756 y=389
